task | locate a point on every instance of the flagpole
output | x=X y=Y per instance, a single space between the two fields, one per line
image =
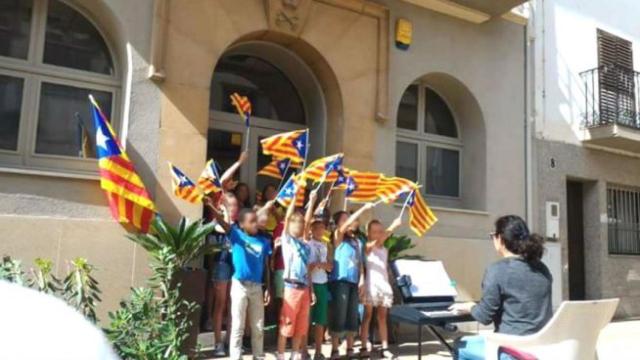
x=285 y=173
x=306 y=151
x=406 y=201
x=346 y=201
x=247 y=133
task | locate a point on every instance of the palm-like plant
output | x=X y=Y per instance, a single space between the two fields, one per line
x=81 y=289
x=42 y=278
x=11 y=270
x=396 y=245
x=186 y=241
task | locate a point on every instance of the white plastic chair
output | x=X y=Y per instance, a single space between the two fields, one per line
x=571 y=334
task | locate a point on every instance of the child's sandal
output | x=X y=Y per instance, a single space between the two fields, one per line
x=335 y=355
x=364 y=353
x=351 y=354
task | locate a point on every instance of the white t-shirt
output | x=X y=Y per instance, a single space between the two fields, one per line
x=34 y=325
x=319 y=253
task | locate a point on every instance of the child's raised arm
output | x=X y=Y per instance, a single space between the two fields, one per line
x=228 y=174
x=392 y=227
x=218 y=215
x=340 y=231
x=290 y=209
x=264 y=210
x=308 y=215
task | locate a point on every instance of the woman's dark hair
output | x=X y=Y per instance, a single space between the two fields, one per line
x=337 y=215
x=264 y=192
x=515 y=234
x=246 y=203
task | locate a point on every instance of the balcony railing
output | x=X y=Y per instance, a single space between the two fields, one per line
x=612 y=95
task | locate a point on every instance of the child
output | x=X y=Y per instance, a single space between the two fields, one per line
x=222 y=267
x=250 y=253
x=297 y=300
x=222 y=271
x=348 y=281
x=319 y=267
x=378 y=292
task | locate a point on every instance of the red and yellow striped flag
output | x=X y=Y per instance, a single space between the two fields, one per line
x=209 y=180
x=421 y=218
x=361 y=186
x=128 y=198
x=243 y=106
x=389 y=188
x=326 y=169
x=293 y=188
x=290 y=145
x=183 y=187
x=278 y=168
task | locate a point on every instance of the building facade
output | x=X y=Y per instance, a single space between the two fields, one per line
x=449 y=111
x=585 y=127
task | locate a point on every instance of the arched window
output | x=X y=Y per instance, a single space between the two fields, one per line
x=273 y=85
x=428 y=144
x=51 y=58
x=271 y=93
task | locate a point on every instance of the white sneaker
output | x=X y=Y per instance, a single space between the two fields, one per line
x=219 y=351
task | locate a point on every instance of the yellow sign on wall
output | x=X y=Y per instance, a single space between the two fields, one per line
x=404 y=31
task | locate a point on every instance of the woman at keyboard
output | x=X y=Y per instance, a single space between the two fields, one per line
x=516 y=290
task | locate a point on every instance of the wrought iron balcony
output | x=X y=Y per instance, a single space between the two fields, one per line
x=611 y=97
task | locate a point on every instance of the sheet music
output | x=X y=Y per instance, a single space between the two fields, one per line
x=428 y=278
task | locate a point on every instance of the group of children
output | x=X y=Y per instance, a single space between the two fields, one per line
x=321 y=273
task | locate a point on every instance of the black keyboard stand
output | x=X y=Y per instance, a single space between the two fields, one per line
x=411 y=315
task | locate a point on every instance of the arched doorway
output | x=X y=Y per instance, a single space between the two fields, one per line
x=285 y=96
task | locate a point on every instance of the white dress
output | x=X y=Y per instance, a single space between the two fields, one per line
x=378 y=289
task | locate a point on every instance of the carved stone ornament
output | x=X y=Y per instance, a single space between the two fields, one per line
x=288 y=16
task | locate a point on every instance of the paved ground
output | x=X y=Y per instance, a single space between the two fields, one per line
x=619 y=341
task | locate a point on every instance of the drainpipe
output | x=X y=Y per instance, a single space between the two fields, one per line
x=528 y=185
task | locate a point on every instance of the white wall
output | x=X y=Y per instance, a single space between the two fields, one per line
x=567 y=45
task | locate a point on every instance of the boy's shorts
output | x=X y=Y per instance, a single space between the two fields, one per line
x=320 y=308
x=278 y=283
x=294 y=316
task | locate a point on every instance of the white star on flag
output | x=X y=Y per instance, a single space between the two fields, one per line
x=101 y=139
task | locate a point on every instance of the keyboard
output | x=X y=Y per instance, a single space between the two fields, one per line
x=439 y=313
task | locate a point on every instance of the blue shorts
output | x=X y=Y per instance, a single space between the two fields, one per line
x=222 y=267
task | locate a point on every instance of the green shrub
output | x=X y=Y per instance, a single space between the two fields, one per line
x=396 y=245
x=153 y=324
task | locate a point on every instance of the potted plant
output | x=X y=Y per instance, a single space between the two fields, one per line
x=186 y=243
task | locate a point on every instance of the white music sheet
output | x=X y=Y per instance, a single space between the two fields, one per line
x=428 y=278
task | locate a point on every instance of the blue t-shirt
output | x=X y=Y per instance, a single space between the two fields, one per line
x=248 y=254
x=346 y=261
x=295 y=254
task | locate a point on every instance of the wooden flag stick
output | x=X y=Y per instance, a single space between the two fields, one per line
x=247 y=135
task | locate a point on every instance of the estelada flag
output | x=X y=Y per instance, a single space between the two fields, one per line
x=209 y=180
x=128 y=198
x=361 y=186
x=325 y=169
x=389 y=188
x=278 y=168
x=292 y=145
x=421 y=218
x=183 y=187
x=294 y=188
x=243 y=107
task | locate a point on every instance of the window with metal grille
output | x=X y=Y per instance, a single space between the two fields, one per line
x=623 y=212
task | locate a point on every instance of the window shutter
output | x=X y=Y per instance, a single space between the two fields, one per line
x=616 y=79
